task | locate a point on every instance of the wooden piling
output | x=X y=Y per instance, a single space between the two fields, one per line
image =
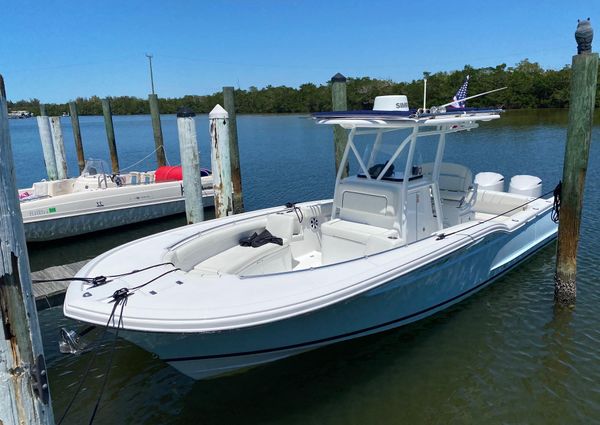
x=234 y=151
x=77 y=135
x=110 y=135
x=157 y=130
x=339 y=103
x=584 y=73
x=43 y=110
x=58 y=143
x=190 y=164
x=221 y=166
x=25 y=394
x=47 y=147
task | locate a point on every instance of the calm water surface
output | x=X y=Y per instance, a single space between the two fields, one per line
x=503 y=356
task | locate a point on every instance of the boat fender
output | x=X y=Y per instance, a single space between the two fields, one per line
x=555 y=216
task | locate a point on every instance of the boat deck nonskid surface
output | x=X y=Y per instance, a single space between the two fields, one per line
x=309 y=260
x=184 y=301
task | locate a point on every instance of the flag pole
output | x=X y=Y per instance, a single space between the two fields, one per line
x=472 y=97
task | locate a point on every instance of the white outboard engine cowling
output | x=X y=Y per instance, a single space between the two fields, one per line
x=526 y=185
x=490 y=181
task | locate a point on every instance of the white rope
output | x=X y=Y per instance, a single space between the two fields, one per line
x=141 y=160
x=165 y=153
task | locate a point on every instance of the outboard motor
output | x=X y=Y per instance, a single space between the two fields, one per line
x=526 y=185
x=490 y=181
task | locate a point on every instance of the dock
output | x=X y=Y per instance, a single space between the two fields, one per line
x=52 y=294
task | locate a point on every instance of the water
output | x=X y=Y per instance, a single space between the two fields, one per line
x=504 y=355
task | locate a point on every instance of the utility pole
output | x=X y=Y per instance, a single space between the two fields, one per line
x=149 y=56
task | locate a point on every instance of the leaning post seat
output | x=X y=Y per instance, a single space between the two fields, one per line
x=345 y=240
x=454 y=182
x=367 y=219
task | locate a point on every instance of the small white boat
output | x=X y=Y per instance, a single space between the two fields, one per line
x=401 y=240
x=98 y=200
x=19 y=115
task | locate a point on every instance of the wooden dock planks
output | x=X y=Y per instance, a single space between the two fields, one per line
x=52 y=294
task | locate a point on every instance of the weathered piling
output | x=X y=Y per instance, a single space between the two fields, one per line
x=221 y=165
x=77 y=135
x=25 y=395
x=110 y=135
x=47 y=146
x=234 y=151
x=339 y=103
x=157 y=130
x=43 y=110
x=58 y=143
x=584 y=73
x=190 y=164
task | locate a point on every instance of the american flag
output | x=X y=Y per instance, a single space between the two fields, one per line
x=460 y=95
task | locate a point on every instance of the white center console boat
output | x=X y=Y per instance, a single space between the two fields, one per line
x=405 y=236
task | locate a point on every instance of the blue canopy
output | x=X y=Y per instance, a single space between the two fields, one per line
x=392 y=115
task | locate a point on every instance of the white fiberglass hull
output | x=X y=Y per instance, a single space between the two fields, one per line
x=83 y=212
x=379 y=292
x=393 y=303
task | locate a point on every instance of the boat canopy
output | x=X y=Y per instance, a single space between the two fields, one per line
x=404 y=119
x=399 y=159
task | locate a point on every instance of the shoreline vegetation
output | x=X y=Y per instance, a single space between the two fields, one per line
x=529 y=87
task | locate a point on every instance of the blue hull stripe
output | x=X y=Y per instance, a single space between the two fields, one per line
x=371 y=328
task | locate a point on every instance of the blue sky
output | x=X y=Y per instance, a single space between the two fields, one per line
x=60 y=50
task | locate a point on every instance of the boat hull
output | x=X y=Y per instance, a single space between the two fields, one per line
x=79 y=224
x=395 y=302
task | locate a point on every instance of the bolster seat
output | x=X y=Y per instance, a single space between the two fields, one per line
x=344 y=240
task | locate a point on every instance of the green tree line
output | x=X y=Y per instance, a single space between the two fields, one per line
x=529 y=86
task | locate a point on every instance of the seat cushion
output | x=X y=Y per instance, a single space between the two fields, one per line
x=357 y=232
x=345 y=240
x=235 y=260
x=281 y=225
